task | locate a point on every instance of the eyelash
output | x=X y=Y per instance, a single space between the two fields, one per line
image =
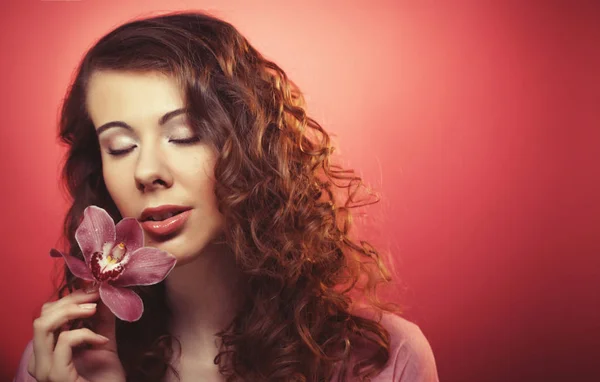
x=187 y=141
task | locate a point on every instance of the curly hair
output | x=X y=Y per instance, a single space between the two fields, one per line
x=279 y=190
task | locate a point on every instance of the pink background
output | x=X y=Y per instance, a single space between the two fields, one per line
x=477 y=121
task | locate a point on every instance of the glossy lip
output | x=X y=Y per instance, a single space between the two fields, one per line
x=168 y=226
x=147 y=212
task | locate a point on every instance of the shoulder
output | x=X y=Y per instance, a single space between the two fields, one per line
x=411 y=356
x=22 y=375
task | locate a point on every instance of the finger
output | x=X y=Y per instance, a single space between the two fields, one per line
x=62 y=362
x=47 y=306
x=43 y=344
x=43 y=333
x=56 y=318
x=77 y=297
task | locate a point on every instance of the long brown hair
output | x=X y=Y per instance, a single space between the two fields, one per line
x=278 y=189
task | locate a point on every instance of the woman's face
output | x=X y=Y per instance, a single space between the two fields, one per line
x=146 y=160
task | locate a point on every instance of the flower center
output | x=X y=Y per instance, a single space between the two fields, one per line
x=109 y=267
x=117 y=253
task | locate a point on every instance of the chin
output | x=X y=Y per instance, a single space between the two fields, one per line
x=179 y=245
x=183 y=260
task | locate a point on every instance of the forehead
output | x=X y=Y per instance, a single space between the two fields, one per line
x=131 y=96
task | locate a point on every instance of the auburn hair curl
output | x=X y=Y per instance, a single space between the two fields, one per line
x=279 y=190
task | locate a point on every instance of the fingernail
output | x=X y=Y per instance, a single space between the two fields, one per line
x=102 y=338
x=91 y=289
x=89 y=306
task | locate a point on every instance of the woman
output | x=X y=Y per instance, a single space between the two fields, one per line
x=180 y=110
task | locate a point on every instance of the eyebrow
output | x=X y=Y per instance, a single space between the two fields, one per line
x=164 y=119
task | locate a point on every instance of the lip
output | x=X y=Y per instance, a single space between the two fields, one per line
x=167 y=226
x=147 y=212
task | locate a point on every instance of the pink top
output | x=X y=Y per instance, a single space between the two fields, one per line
x=411 y=358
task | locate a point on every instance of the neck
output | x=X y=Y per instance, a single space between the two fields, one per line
x=203 y=295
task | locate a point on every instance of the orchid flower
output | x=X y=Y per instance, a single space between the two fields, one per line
x=115 y=258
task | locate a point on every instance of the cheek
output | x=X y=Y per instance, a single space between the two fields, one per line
x=117 y=187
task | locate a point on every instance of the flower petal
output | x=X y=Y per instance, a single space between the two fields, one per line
x=76 y=266
x=146 y=266
x=124 y=303
x=130 y=232
x=96 y=229
x=55 y=253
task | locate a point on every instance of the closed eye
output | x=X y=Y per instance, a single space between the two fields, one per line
x=186 y=141
x=117 y=153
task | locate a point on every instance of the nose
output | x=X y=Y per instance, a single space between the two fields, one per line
x=152 y=171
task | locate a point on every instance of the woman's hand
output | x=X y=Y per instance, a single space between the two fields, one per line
x=63 y=363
